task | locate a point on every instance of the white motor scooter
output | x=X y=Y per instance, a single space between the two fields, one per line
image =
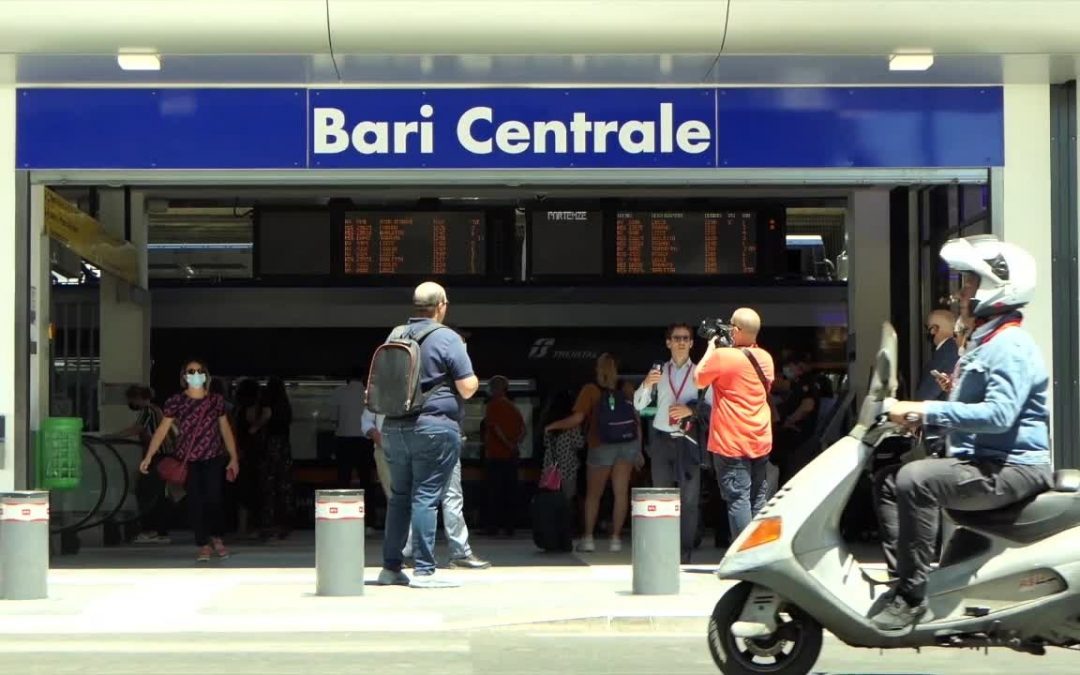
x=1007 y=578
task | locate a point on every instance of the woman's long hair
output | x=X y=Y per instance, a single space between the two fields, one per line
x=277 y=398
x=607 y=371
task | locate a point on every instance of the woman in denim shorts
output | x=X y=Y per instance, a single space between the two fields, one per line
x=605 y=461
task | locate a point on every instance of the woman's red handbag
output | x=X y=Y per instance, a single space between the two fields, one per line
x=173 y=471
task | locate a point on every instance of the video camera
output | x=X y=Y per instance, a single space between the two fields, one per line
x=716 y=330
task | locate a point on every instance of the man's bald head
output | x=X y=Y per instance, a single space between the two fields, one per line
x=941 y=325
x=749 y=324
x=430 y=299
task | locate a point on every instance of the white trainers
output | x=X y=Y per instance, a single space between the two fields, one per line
x=586 y=545
x=615 y=546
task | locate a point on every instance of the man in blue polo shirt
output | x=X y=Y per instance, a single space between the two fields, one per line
x=423 y=452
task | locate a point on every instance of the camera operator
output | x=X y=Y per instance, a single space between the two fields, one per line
x=740 y=430
x=674 y=449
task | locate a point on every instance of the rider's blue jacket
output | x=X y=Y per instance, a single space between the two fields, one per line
x=997 y=410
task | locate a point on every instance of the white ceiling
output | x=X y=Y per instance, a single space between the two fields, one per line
x=538 y=42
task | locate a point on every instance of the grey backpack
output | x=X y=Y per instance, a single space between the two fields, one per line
x=393 y=387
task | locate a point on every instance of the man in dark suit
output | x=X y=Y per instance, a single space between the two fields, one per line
x=940 y=328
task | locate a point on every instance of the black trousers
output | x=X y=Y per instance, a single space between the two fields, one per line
x=152 y=502
x=910 y=503
x=205 y=492
x=501 y=477
x=672 y=468
x=354 y=453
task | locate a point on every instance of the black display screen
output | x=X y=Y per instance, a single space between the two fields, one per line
x=567 y=242
x=685 y=242
x=295 y=243
x=414 y=243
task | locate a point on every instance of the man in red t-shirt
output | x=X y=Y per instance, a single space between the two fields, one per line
x=740 y=429
x=504 y=430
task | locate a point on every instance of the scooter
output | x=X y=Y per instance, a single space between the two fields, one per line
x=1006 y=578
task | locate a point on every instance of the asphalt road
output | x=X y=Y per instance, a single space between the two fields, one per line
x=511 y=652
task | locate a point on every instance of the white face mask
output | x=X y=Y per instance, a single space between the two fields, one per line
x=196 y=380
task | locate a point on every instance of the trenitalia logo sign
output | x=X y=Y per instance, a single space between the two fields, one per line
x=704 y=128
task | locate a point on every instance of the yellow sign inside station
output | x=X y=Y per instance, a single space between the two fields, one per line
x=65 y=223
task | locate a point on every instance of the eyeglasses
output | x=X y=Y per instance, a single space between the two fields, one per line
x=196 y=371
x=682 y=338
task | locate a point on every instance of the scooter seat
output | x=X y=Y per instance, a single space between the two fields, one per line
x=1029 y=520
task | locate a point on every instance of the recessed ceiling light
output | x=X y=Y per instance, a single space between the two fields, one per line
x=139 y=61
x=911 y=61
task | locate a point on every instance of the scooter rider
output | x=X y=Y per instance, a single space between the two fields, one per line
x=996 y=419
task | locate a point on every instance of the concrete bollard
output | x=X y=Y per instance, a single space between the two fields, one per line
x=656 y=514
x=24 y=545
x=339 y=542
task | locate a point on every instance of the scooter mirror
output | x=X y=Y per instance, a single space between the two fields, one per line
x=885 y=364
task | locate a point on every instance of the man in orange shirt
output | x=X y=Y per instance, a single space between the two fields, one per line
x=740 y=429
x=504 y=429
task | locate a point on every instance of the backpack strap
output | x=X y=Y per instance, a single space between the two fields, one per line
x=422 y=335
x=403 y=331
x=757 y=369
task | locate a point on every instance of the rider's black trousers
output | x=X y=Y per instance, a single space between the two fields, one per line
x=910 y=500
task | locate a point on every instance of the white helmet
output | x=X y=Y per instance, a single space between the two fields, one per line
x=1006 y=272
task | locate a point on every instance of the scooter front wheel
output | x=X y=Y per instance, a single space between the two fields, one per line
x=792 y=650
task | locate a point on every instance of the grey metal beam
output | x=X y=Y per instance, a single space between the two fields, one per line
x=515 y=178
x=1064 y=272
x=19 y=428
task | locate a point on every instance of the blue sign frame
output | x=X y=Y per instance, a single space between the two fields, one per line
x=698 y=128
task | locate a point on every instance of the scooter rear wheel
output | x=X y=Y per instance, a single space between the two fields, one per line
x=792 y=650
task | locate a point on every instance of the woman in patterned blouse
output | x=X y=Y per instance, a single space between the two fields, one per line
x=206 y=444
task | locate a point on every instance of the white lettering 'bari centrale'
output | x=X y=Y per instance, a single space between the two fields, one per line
x=480 y=132
x=369 y=137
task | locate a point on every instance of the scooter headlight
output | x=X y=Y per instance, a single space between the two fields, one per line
x=766 y=531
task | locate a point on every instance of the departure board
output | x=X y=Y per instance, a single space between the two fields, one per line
x=414 y=243
x=686 y=243
x=295 y=243
x=567 y=242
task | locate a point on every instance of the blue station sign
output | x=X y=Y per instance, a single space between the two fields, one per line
x=794 y=127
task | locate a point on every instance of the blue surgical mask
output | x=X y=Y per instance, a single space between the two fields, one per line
x=196 y=380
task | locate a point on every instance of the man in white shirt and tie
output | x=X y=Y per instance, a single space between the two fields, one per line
x=672 y=452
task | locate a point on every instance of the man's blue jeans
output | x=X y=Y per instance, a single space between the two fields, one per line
x=744 y=486
x=421 y=463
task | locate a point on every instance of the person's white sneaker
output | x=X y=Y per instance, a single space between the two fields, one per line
x=586 y=545
x=615 y=546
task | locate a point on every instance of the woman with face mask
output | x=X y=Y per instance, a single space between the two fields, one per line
x=206 y=444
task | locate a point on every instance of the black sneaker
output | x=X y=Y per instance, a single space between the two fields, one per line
x=469 y=562
x=898 y=615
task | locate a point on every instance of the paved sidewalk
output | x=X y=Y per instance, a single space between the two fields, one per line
x=271 y=589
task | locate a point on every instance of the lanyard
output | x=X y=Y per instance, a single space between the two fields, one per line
x=671 y=380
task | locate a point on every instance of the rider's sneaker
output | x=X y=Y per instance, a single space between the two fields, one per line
x=898 y=615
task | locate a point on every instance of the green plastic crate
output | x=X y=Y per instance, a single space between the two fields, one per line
x=60 y=453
